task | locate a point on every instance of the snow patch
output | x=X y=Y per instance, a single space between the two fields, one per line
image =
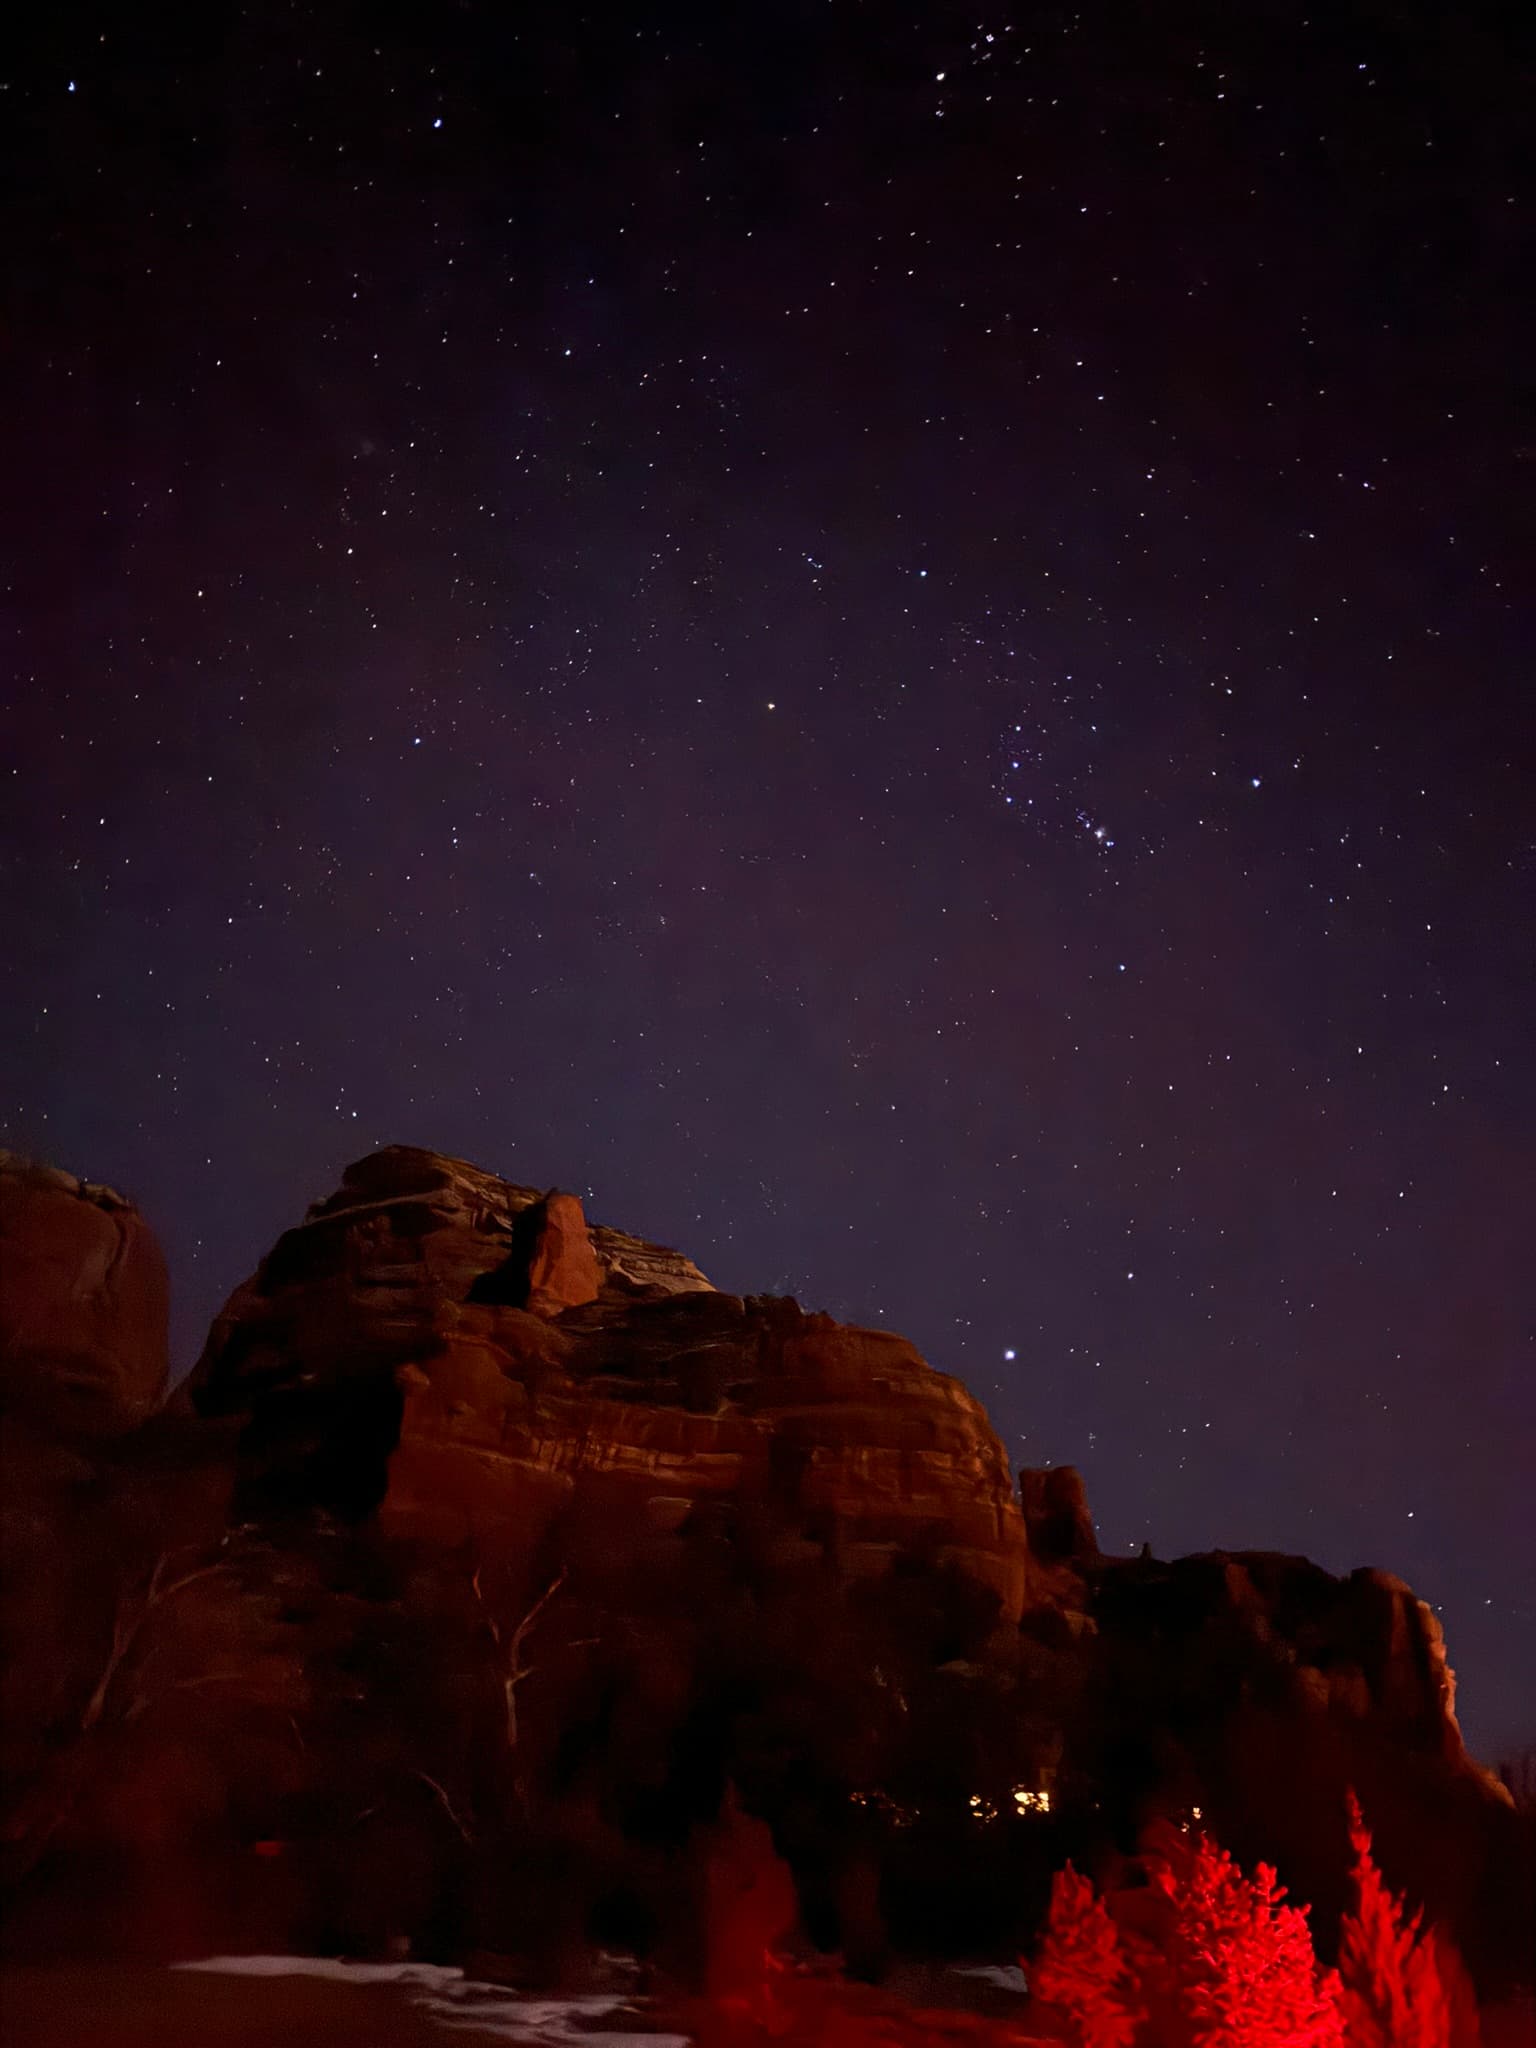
x=434 y=1975
x=450 y=1998
x=1006 y=1976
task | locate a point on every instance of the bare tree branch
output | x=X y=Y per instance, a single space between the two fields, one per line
x=447 y=1805
x=128 y=1622
x=514 y=1670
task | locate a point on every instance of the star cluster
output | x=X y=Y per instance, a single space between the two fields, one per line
x=891 y=646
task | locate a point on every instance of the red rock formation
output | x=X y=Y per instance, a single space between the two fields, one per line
x=84 y=1303
x=1402 y=1647
x=1064 y=1555
x=496 y=1527
x=1055 y=1504
x=545 y=1367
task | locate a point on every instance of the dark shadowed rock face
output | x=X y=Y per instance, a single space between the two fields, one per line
x=1056 y=1515
x=84 y=1303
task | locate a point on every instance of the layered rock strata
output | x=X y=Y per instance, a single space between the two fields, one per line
x=508 y=1364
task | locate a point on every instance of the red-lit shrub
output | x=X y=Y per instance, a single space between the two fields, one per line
x=1081 y=1966
x=1404 y=1986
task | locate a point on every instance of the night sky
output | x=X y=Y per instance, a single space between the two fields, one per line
x=889 y=640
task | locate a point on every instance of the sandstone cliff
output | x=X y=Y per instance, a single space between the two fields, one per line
x=485 y=1546
x=468 y=1357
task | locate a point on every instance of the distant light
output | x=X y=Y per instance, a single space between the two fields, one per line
x=438 y=122
x=1253 y=782
x=1010 y=1356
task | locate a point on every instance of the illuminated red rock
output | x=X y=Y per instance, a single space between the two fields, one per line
x=84 y=1303
x=469 y=1356
x=563 y=1271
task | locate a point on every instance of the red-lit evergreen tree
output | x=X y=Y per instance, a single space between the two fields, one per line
x=1241 y=1972
x=1404 y=1987
x=1081 y=1967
